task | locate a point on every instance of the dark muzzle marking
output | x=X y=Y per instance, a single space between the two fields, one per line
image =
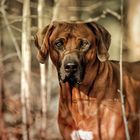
x=71 y=67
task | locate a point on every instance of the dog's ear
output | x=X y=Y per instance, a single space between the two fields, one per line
x=41 y=41
x=103 y=44
x=103 y=41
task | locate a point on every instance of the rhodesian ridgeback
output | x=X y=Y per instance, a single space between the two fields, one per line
x=90 y=103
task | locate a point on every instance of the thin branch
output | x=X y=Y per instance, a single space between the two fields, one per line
x=16 y=28
x=3 y=2
x=20 y=18
x=104 y=14
x=43 y=76
x=4 y=58
x=85 y=8
x=11 y=33
x=16 y=19
x=2 y=94
x=121 y=79
x=113 y=13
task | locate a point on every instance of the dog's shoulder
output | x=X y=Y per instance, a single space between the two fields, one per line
x=132 y=69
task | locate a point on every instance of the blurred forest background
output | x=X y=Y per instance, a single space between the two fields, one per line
x=29 y=91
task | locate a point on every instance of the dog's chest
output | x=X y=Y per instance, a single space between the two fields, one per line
x=88 y=120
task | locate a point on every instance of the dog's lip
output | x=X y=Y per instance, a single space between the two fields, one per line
x=71 y=79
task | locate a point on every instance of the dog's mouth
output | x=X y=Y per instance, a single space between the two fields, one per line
x=72 y=79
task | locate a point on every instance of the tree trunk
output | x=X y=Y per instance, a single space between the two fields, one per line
x=2 y=123
x=26 y=70
x=133 y=40
x=43 y=76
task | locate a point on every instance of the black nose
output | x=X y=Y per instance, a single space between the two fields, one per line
x=71 y=67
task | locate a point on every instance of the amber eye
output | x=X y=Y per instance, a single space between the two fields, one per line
x=84 y=44
x=59 y=44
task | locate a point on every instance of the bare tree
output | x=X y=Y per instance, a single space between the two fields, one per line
x=121 y=78
x=2 y=124
x=42 y=75
x=26 y=69
x=133 y=42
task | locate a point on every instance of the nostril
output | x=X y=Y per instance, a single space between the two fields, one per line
x=71 y=67
x=67 y=67
x=74 y=67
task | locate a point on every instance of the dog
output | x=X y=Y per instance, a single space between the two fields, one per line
x=90 y=103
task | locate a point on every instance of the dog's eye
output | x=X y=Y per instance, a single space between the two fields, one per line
x=59 y=44
x=84 y=44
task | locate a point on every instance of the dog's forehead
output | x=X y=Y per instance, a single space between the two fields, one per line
x=74 y=29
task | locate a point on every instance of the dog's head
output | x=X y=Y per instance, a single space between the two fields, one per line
x=72 y=46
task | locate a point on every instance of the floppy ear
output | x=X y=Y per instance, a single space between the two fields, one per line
x=103 y=41
x=41 y=41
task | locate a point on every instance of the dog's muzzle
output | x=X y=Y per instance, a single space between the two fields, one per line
x=71 y=68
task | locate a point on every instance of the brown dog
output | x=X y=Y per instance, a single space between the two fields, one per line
x=90 y=106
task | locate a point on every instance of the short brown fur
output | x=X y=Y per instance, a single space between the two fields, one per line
x=93 y=104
